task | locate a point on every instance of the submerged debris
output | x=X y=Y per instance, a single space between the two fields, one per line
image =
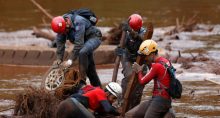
x=114 y=35
x=184 y=26
x=40 y=103
x=36 y=103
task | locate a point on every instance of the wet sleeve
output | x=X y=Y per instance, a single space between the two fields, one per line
x=60 y=40
x=108 y=108
x=79 y=39
x=149 y=76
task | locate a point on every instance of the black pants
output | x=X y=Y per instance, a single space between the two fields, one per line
x=86 y=61
x=157 y=107
x=71 y=108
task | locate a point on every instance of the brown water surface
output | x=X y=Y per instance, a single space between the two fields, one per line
x=22 y=14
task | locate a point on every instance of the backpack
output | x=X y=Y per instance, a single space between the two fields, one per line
x=86 y=13
x=175 y=89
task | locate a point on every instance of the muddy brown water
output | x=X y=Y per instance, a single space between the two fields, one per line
x=200 y=98
x=22 y=14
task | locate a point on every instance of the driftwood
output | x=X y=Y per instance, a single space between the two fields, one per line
x=212 y=81
x=41 y=34
x=42 y=9
x=114 y=35
x=184 y=26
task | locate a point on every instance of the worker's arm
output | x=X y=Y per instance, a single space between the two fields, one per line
x=61 y=40
x=108 y=108
x=79 y=38
x=148 y=77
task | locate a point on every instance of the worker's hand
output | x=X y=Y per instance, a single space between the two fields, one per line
x=68 y=63
x=126 y=27
x=57 y=63
x=136 y=67
x=119 y=51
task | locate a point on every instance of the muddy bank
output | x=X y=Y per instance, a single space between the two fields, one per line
x=45 y=56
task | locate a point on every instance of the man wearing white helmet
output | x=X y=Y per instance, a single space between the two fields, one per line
x=93 y=101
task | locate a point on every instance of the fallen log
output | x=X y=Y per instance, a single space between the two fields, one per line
x=209 y=80
x=41 y=34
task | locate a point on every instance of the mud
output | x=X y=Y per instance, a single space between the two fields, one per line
x=199 y=99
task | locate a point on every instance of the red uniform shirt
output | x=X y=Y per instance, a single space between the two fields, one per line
x=95 y=97
x=157 y=72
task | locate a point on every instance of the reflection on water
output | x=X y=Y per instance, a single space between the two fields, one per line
x=17 y=14
x=14 y=79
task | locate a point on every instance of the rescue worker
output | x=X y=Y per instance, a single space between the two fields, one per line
x=86 y=39
x=133 y=39
x=160 y=103
x=96 y=101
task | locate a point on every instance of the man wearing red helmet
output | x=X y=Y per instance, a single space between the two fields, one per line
x=133 y=39
x=85 y=37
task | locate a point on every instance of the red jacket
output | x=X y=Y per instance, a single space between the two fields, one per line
x=157 y=72
x=95 y=97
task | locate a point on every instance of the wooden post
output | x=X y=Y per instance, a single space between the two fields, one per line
x=118 y=58
x=132 y=81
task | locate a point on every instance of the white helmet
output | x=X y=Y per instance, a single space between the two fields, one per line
x=114 y=88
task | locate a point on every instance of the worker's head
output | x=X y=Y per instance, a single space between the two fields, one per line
x=149 y=49
x=135 y=22
x=114 y=91
x=60 y=24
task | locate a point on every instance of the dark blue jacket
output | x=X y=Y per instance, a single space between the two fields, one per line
x=81 y=29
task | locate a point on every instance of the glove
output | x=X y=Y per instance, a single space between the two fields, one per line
x=57 y=63
x=126 y=27
x=119 y=51
x=136 y=67
x=68 y=63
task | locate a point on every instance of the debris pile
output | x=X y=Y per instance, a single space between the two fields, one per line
x=36 y=103
x=184 y=26
x=114 y=35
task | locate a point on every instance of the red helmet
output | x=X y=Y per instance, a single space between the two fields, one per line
x=58 y=24
x=135 y=22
